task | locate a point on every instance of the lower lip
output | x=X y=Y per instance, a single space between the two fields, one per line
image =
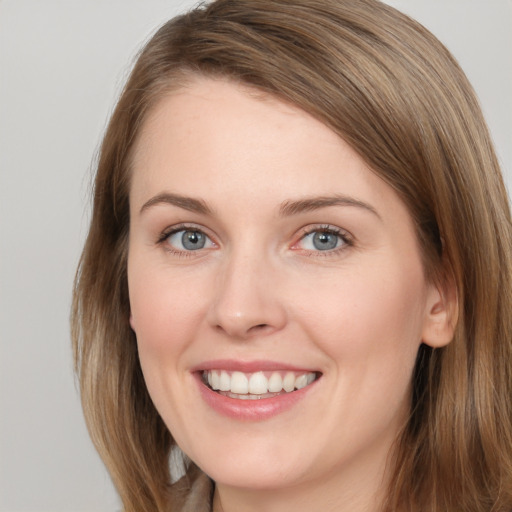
x=251 y=410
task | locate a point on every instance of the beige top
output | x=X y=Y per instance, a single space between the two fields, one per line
x=198 y=497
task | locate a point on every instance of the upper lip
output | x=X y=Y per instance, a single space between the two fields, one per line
x=248 y=366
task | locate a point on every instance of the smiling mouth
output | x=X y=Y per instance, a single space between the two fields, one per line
x=257 y=385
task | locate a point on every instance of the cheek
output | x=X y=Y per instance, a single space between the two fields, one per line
x=370 y=319
x=164 y=316
x=373 y=339
x=164 y=311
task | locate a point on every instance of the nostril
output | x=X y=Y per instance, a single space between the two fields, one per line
x=244 y=333
x=259 y=328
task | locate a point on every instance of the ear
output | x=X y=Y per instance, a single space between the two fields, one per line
x=132 y=323
x=441 y=313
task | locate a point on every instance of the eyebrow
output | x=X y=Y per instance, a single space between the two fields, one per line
x=315 y=203
x=187 y=203
x=287 y=208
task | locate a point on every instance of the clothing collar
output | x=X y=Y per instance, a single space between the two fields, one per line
x=200 y=496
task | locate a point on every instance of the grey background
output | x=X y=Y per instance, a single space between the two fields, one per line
x=62 y=64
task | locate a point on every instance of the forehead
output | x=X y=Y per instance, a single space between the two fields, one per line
x=213 y=113
x=225 y=142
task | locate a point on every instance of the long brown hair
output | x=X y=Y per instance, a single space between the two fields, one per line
x=395 y=94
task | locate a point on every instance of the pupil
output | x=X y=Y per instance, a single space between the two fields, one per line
x=193 y=240
x=325 y=241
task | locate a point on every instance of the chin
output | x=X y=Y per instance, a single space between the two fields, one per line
x=256 y=476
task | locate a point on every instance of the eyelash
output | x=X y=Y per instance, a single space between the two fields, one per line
x=346 y=240
x=162 y=239
x=344 y=236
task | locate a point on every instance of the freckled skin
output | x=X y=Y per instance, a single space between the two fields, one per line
x=261 y=290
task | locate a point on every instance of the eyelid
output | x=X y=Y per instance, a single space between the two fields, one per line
x=176 y=228
x=182 y=226
x=345 y=236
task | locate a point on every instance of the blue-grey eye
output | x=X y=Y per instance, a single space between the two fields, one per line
x=189 y=240
x=322 y=241
x=193 y=240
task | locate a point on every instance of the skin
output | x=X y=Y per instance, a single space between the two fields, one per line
x=260 y=290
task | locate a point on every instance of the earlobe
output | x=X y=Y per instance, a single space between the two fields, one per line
x=441 y=314
x=132 y=323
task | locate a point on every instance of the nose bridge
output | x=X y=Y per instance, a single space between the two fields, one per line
x=245 y=301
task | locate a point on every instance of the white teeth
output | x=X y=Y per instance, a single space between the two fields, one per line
x=275 y=383
x=289 y=382
x=255 y=385
x=301 y=381
x=239 y=383
x=258 y=384
x=215 y=380
x=224 y=381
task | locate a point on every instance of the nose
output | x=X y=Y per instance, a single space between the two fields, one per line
x=247 y=301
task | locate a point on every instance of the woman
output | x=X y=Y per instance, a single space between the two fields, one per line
x=298 y=270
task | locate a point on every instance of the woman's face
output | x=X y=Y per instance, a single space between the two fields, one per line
x=265 y=256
